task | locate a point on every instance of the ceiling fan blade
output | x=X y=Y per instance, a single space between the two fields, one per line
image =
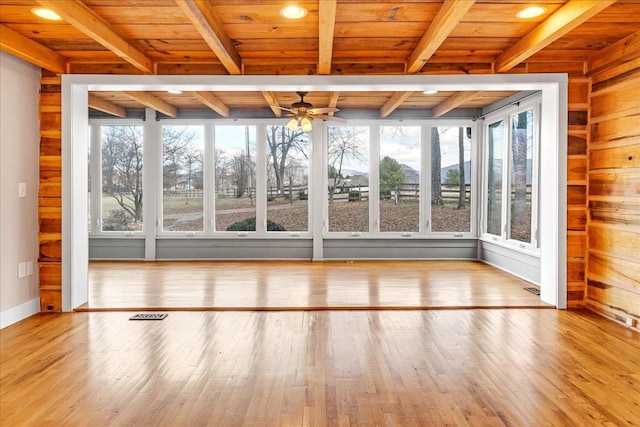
x=283 y=108
x=323 y=110
x=325 y=117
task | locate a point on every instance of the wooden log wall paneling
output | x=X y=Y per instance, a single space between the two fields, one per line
x=613 y=223
x=50 y=194
x=577 y=140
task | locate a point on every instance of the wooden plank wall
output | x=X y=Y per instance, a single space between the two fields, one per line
x=50 y=194
x=613 y=268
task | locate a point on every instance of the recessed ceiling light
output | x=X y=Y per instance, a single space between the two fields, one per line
x=293 y=12
x=175 y=91
x=429 y=92
x=530 y=12
x=46 y=14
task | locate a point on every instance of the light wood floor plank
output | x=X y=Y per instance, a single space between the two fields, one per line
x=492 y=367
x=290 y=285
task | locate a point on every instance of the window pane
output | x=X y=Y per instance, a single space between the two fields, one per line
x=287 y=179
x=121 y=178
x=235 y=179
x=182 y=178
x=494 y=178
x=451 y=179
x=521 y=176
x=348 y=178
x=400 y=178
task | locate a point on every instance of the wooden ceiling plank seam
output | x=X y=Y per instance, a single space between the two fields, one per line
x=326 y=28
x=272 y=101
x=446 y=20
x=88 y=22
x=202 y=16
x=105 y=106
x=213 y=102
x=621 y=51
x=561 y=22
x=151 y=101
x=452 y=103
x=31 y=51
x=394 y=102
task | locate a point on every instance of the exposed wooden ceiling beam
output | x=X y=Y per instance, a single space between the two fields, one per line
x=84 y=19
x=446 y=20
x=105 y=106
x=151 y=101
x=201 y=15
x=31 y=51
x=565 y=19
x=394 y=102
x=271 y=99
x=213 y=102
x=333 y=101
x=327 y=23
x=452 y=103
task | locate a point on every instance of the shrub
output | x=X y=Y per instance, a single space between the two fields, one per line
x=385 y=194
x=302 y=195
x=249 y=224
x=116 y=220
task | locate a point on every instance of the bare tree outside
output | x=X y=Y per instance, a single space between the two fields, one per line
x=436 y=166
x=345 y=143
x=182 y=177
x=282 y=144
x=121 y=149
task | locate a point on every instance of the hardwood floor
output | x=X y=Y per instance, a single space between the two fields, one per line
x=491 y=367
x=290 y=285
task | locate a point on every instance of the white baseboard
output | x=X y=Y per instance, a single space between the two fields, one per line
x=19 y=312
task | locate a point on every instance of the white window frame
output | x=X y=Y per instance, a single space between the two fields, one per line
x=425 y=182
x=506 y=115
x=209 y=184
x=95 y=201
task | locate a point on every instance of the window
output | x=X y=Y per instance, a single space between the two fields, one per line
x=183 y=178
x=511 y=165
x=495 y=148
x=121 y=183
x=450 y=178
x=287 y=179
x=399 y=177
x=348 y=178
x=521 y=175
x=235 y=178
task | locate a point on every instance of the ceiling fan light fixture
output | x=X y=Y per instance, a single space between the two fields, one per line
x=530 y=12
x=293 y=12
x=305 y=124
x=46 y=14
x=293 y=124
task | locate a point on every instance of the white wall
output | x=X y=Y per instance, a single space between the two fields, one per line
x=19 y=152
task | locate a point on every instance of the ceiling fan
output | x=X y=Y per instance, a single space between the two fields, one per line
x=303 y=113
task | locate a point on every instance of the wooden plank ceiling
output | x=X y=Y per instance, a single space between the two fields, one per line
x=364 y=37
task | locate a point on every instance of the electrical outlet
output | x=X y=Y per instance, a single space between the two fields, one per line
x=22 y=270
x=29 y=268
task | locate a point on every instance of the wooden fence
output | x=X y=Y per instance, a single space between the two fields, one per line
x=353 y=193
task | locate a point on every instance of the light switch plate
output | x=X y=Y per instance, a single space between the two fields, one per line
x=22 y=189
x=22 y=270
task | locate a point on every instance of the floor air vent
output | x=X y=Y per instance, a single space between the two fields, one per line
x=535 y=291
x=148 y=316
